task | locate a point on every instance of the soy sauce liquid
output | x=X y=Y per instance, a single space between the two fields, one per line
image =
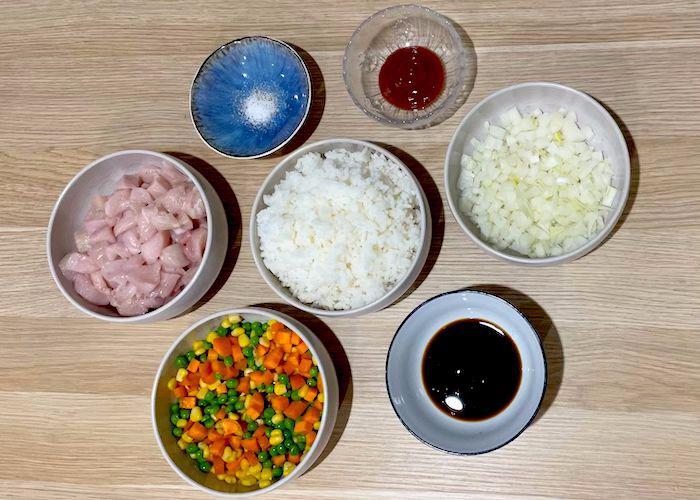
x=471 y=369
x=412 y=78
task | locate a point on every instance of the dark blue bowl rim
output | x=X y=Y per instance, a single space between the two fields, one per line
x=544 y=385
x=286 y=46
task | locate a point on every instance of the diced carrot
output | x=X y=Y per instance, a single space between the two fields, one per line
x=304 y=366
x=287 y=348
x=273 y=358
x=188 y=425
x=256 y=405
x=191 y=381
x=221 y=389
x=231 y=372
x=269 y=377
x=310 y=394
x=293 y=359
x=198 y=432
x=205 y=368
x=218 y=366
x=250 y=444
x=303 y=427
x=219 y=465
x=188 y=403
x=220 y=414
x=211 y=355
x=283 y=337
x=295 y=409
x=312 y=415
x=318 y=405
x=217 y=447
x=295 y=339
x=213 y=435
x=279 y=403
x=222 y=346
x=261 y=350
x=209 y=378
x=193 y=366
x=235 y=442
x=243 y=384
x=276 y=327
x=237 y=352
x=289 y=368
x=295 y=459
x=233 y=466
x=230 y=426
x=180 y=392
x=241 y=364
x=297 y=381
x=250 y=456
x=278 y=460
x=310 y=438
x=260 y=431
x=257 y=377
x=302 y=348
x=263 y=442
x=319 y=383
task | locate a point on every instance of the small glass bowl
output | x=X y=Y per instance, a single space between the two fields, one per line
x=391 y=29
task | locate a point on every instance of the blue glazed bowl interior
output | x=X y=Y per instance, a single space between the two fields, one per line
x=258 y=74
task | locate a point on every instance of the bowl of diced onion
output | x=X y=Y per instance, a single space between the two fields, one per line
x=537 y=174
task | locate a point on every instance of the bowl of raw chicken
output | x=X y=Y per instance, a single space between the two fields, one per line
x=136 y=236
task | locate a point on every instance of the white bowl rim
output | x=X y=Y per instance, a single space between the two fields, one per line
x=288 y=297
x=593 y=242
x=378 y=116
x=260 y=311
x=309 y=100
x=207 y=249
x=539 y=342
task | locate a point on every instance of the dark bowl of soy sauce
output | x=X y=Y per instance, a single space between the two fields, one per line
x=466 y=372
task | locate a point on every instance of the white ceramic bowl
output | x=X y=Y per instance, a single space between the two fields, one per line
x=100 y=178
x=548 y=97
x=411 y=401
x=161 y=399
x=278 y=174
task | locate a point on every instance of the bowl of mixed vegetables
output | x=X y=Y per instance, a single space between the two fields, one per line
x=244 y=401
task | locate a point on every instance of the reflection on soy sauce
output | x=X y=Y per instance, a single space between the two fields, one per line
x=471 y=369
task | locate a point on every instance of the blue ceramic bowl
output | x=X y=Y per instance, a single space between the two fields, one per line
x=250 y=97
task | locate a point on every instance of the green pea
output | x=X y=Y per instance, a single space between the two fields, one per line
x=232 y=383
x=251 y=363
x=210 y=396
x=262 y=456
x=177 y=432
x=287 y=434
x=278 y=426
x=211 y=409
x=207 y=344
x=239 y=405
x=222 y=399
x=221 y=331
x=295 y=396
x=276 y=472
x=198 y=455
x=265 y=325
x=289 y=424
x=258 y=330
x=314 y=371
x=190 y=355
x=228 y=360
x=191 y=448
x=218 y=376
x=280 y=449
x=255 y=340
x=294 y=450
x=208 y=423
x=174 y=419
x=235 y=325
x=230 y=407
x=204 y=466
x=181 y=362
x=267 y=464
x=299 y=440
x=311 y=382
x=203 y=357
x=247 y=326
x=185 y=413
x=288 y=443
x=269 y=412
x=174 y=408
x=252 y=426
x=247 y=351
x=248 y=435
x=267 y=421
x=272 y=451
x=256 y=324
x=283 y=379
x=268 y=432
x=202 y=402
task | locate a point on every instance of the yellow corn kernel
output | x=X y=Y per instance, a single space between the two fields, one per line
x=202 y=392
x=314 y=360
x=181 y=423
x=245 y=464
x=202 y=383
x=317 y=425
x=221 y=477
x=248 y=481
x=558 y=137
x=248 y=371
x=200 y=351
x=230 y=479
x=205 y=449
x=243 y=340
x=186 y=438
x=287 y=468
x=233 y=416
x=212 y=387
x=247 y=401
x=320 y=397
x=240 y=473
x=268 y=335
x=264 y=341
x=172 y=383
x=303 y=390
x=211 y=336
x=235 y=318
x=227 y=455
x=266 y=473
x=196 y=414
x=271 y=322
x=238 y=331
x=181 y=374
x=276 y=439
x=264 y=483
x=197 y=344
x=226 y=323
x=181 y=444
x=277 y=419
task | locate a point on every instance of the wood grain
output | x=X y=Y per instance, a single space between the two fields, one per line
x=622 y=416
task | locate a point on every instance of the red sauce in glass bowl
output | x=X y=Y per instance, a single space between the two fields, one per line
x=412 y=78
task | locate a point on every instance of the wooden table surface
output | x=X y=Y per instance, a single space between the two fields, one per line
x=621 y=417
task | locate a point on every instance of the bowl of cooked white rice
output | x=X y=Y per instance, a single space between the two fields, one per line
x=340 y=227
